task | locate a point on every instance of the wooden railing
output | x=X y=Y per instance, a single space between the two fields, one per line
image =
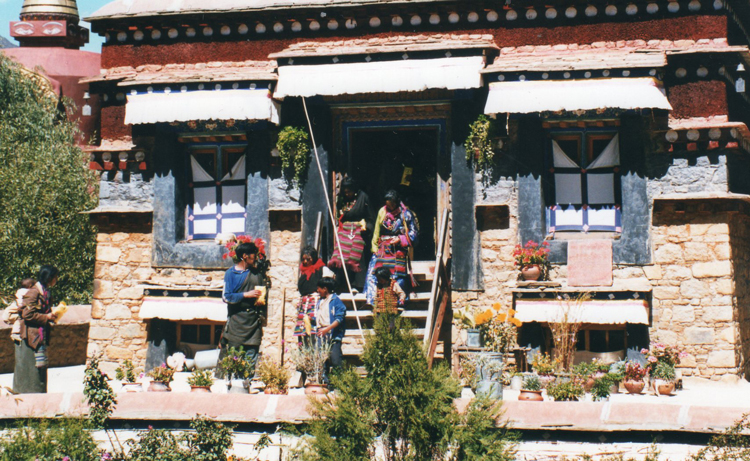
x=439 y=295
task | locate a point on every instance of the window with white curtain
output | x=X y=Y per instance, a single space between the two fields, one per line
x=585 y=172
x=218 y=185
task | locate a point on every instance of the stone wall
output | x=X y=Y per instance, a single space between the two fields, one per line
x=681 y=175
x=126 y=190
x=693 y=276
x=739 y=236
x=123 y=261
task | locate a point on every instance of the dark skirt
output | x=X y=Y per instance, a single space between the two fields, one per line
x=27 y=378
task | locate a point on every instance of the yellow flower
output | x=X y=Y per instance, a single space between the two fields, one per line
x=483 y=317
x=497 y=306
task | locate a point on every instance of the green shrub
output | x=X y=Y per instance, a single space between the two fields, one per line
x=403 y=407
x=732 y=444
x=565 y=390
x=532 y=383
x=44 y=186
x=664 y=371
x=49 y=440
x=99 y=395
x=293 y=145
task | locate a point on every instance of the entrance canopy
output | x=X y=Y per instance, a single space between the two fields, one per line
x=614 y=312
x=524 y=97
x=380 y=77
x=241 y=104
x=382 y=65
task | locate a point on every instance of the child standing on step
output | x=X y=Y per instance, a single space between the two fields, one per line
x=389 y=296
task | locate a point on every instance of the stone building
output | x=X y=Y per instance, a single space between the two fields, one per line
x=621 y=140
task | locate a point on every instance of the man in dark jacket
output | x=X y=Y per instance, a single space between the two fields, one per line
x=245 y=314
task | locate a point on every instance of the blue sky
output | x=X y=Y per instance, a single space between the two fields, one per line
x=10 y=10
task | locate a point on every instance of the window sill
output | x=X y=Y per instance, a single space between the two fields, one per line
x=568 y=235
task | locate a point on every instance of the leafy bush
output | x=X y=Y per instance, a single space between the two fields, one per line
x=99 y=395
x=663 y=370
x=210 y=442
x=273 y=375
x=565 y=390
x=294 y=148
x=603 y=386
x=49 y=440
x=44 y=186
x=532 y=383
x=201 y=378
x=402 y=407
x=732 y=444
x=126 y=372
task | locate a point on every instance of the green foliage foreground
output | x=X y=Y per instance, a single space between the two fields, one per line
x=44 y=185
x=402 y=410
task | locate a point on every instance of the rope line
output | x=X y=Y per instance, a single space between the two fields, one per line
x=330 y=214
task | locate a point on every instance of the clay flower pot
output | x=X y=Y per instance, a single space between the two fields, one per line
x=314 y=389
x=662 y=387
x=200 y=389
x=634 y=387
x=132 y=387
x=530 y=396
x=531 y=273
x=158 y=386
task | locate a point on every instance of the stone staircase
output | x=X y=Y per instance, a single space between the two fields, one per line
x=416 y=310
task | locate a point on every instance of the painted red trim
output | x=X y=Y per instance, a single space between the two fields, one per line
x=680 y=28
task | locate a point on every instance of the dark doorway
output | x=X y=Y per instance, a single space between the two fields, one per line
x=380 y=159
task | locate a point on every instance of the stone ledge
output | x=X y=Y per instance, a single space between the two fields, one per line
x=272 y=409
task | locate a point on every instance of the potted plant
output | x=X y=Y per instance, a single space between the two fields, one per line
x=531 y=390
x=634 y=377
x=565 y=390
x=274 y=376
x=532 y=260
x=663 y=374
x=584 y=372
x=464 y=317
x=236 y=368
x=489 y=373
x=605 y=385
x=160 y=376
x=661 y=360
x=293 y=145
x=498 y=329
x=545 y=367
x=478 y=144
x=126 y=373
x=310 y=358
x=201 y=381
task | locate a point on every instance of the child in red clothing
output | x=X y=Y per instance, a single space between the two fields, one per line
x=389 y=296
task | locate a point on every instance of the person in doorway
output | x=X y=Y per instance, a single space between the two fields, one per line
x=389 y=298
x=330 y=315
x=311 y=270
x=355 y=225
x=246 y=306
x=30 y=373
x=395 y=234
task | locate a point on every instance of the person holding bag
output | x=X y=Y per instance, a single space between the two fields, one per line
x=30 y=373
x=395 y=235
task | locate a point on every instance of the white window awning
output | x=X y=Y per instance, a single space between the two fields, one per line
x=379 y=77
x=213 y=309
x=569 y=95
x=614 y=312
x=255 y=104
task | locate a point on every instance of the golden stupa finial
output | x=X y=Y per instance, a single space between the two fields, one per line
x=62 y=9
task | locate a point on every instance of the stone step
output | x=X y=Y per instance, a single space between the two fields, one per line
x=360 y=298
x=367 y=314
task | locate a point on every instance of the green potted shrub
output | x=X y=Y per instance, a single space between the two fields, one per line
x=663 y=375
x=565 y=390
x=531 y=390
x=605 y=385
x=236 y=368
x=293 y=145
x=479 y=144
x=127 y=375
x=274 y=376
x=201 y=380
x=160 y=376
